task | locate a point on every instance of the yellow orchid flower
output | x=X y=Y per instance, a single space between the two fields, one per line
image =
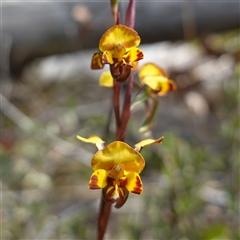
x=116 y=168
x=156 y=79
x=118 y=46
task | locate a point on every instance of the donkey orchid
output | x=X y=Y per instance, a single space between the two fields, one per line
x=118 y=48
x=116 y=168
x=156 y=79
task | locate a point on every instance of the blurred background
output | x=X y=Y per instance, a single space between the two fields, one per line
x=49 y=95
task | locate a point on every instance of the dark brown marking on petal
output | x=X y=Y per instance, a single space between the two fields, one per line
x=93 y=183
x=139 y=55
x=138 y=185
x=171 y=86
x=138 y=188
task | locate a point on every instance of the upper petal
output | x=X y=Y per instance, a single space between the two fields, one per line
x=147 y=142
x=119 y=34
x=118 y=153
x=94 y=140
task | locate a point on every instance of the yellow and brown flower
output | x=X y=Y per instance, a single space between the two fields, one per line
x=118 y=48
x=116 y=168
x=156 y=79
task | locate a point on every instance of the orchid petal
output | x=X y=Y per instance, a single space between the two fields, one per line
x=150 y=69
x=118 y=153
x=159 y=84
x=155 y=82
x=98 y=179
x=135 y=54
x=107 y=57
x=94 y=140
x=119 y=34
x=96 y=62
x=167 y=87
x=147 y=142
x=132 y=182
x=106 y=79
x=156 y=79
x=134 y=66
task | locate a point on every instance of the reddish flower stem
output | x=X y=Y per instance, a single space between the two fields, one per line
x=105 y=210
x=121 y=123
x=126 y=112
x=130 y=16
x=118 y=20
x=116 y=103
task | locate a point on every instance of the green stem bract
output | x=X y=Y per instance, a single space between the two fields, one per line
x=149 y=121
